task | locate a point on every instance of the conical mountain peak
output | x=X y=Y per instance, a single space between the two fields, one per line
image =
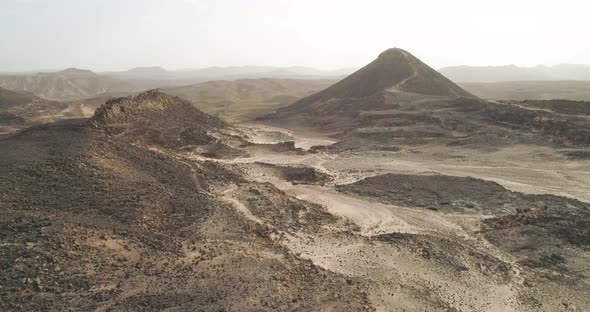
x=394 y=70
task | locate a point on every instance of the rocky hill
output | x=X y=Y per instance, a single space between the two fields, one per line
x=156 y=117
x=394 y=71
x=112 y=213
x=154 y=108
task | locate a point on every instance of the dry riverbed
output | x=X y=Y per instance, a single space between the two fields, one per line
x=412 y=258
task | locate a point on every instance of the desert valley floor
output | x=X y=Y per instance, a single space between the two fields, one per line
x=398 y=272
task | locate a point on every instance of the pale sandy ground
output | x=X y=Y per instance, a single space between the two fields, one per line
x=527 y=169
x=262 y=134
x=399 y=279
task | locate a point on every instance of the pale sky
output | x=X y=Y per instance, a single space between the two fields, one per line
x=121 y=34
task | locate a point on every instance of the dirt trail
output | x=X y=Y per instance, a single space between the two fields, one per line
x=546 y=110
x=226 y=196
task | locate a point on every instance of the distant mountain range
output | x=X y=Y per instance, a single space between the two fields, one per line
x=530 y=90
x=71 y=83
x=228 y=73
x=74 y=83
x=515 y=73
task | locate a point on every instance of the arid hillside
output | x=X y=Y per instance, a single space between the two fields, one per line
x=67 y=84
x=239 y=100
x=107 y=214
x=19 y=110
x=243 y=99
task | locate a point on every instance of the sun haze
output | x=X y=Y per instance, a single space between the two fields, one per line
x=118 y=35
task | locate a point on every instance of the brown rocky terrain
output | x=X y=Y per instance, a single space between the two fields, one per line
x=296 y=173
x=448 y=193
x=423 y=239
x=104 y=215
x=565 y=107
x=551 y=243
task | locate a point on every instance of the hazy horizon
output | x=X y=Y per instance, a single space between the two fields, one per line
x=188 y=34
